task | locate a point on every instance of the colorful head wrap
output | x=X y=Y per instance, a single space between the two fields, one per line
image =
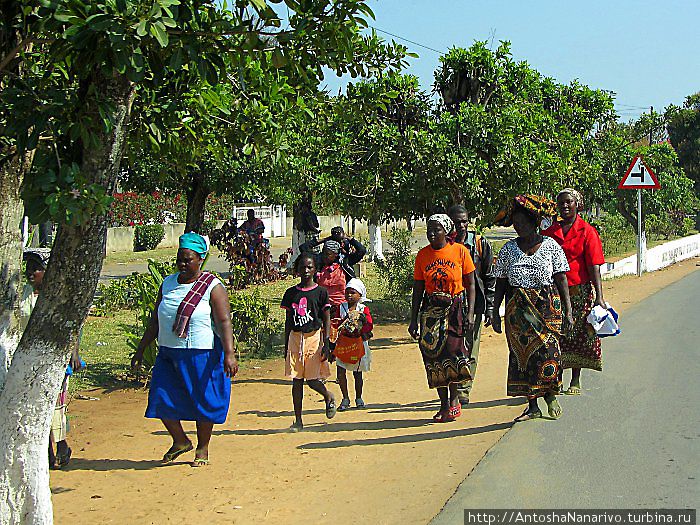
x=332 y=246
x=357 y=285
x=443 y=220
x=542 y=207
x=195 y=242
x=39 y=255
x=575 y=194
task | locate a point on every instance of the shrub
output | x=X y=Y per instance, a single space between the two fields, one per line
x=252 y=323
x=396 y=271
x=146 y=288
x=148 y=237
x=617 y=235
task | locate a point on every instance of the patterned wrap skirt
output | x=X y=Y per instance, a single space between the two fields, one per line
x=189 y=385
x=581 y=349
x=445 y=342
x=533 y=323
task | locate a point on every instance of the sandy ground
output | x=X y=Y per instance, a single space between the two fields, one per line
x=386 y=464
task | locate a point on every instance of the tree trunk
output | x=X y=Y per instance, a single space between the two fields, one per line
x=11 y=213
x=39 y=363
x=376 y=248
x=197 y=194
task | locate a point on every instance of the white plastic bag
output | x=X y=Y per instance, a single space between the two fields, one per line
x=604 y=321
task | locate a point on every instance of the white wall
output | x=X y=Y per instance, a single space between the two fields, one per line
x=656 y=258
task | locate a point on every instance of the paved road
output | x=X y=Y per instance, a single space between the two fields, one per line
x=631 y=441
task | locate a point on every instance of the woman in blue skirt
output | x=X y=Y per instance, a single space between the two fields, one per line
x=191 y=377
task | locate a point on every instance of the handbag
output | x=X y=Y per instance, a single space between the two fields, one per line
x=348 y=349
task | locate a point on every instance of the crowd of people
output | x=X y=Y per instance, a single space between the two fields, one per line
x=548 y=277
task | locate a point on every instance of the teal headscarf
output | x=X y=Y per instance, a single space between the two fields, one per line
x=195 y=242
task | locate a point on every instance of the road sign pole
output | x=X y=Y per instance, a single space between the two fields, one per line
x=640 y=254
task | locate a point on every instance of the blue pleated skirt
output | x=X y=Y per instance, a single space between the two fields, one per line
x=189 y=385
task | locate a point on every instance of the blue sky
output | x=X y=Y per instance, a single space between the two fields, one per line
x=646 y=52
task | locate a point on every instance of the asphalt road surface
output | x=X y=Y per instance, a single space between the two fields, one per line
x=631 y=440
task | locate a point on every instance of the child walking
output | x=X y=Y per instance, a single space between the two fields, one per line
x=306 y=331
x=353 y=333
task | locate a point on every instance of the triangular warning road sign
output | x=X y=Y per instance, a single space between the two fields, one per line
x=639 y=177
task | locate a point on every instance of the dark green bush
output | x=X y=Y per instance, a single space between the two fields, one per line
x=253 y=327
x=148 y=236
x=396 y=273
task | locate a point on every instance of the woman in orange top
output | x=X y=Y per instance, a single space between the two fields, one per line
x=444 y=296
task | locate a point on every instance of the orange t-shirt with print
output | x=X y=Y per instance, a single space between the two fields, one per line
x=442 y=270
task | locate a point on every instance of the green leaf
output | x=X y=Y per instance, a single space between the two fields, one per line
x=141 y=28
x=160 y=34
x=259 y=4
x=248 y=149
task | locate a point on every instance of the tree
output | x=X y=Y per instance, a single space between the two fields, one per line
x=683 y=124
x=93 y=59
x=508 y=129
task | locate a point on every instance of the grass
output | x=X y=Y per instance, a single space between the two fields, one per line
x=104 y=349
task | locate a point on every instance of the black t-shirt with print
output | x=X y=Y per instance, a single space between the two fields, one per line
x=306 y=307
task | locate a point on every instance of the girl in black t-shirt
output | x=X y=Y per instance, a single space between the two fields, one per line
x=306 y=331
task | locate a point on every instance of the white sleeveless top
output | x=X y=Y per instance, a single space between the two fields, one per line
x=200 y=335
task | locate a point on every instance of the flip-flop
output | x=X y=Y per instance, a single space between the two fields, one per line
x=443 y=417
x=344 y=405
x=456 y=411
x=527 y=415
x=63 y=459
x=174 y=452
x=200 y=462
x=573 y=391
x=296 y=428
x=330 y=409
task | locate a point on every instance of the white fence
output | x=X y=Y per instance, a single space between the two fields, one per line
x=656 y=258
x=274 y=218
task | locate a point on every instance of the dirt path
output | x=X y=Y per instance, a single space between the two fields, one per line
x=334 y=472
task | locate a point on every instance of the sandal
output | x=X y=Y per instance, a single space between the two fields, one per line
x=174 y=452
x=200 y=462
x=296 y=427
x=573 y=391
x=344 y=405
x=63 y=459
x=443 y=417
x=456 y=411
x=359 y=403
x=330 y=409
x=527 y=415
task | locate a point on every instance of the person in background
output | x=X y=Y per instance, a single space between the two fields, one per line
x=36 y=261
x=444 y=296
x=351 y=251
x=356 y=325
x=482 y=255
x=253 y=227
x=584 y=251
x=332 y=276
x=191 y=379
x=306 y=338
x=306 y=223
x=531 y=276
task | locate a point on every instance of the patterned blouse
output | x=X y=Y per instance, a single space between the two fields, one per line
x=531 y=271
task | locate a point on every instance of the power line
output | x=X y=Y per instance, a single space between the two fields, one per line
x=408 y=40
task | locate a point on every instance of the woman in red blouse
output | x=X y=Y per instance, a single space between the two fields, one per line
x=584 y=251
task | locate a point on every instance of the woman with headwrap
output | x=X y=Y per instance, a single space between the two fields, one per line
x=36 y=261
x=584 y=251
x=196 y=357
x=442 y=313
x=332 y=276
x=531 y=275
